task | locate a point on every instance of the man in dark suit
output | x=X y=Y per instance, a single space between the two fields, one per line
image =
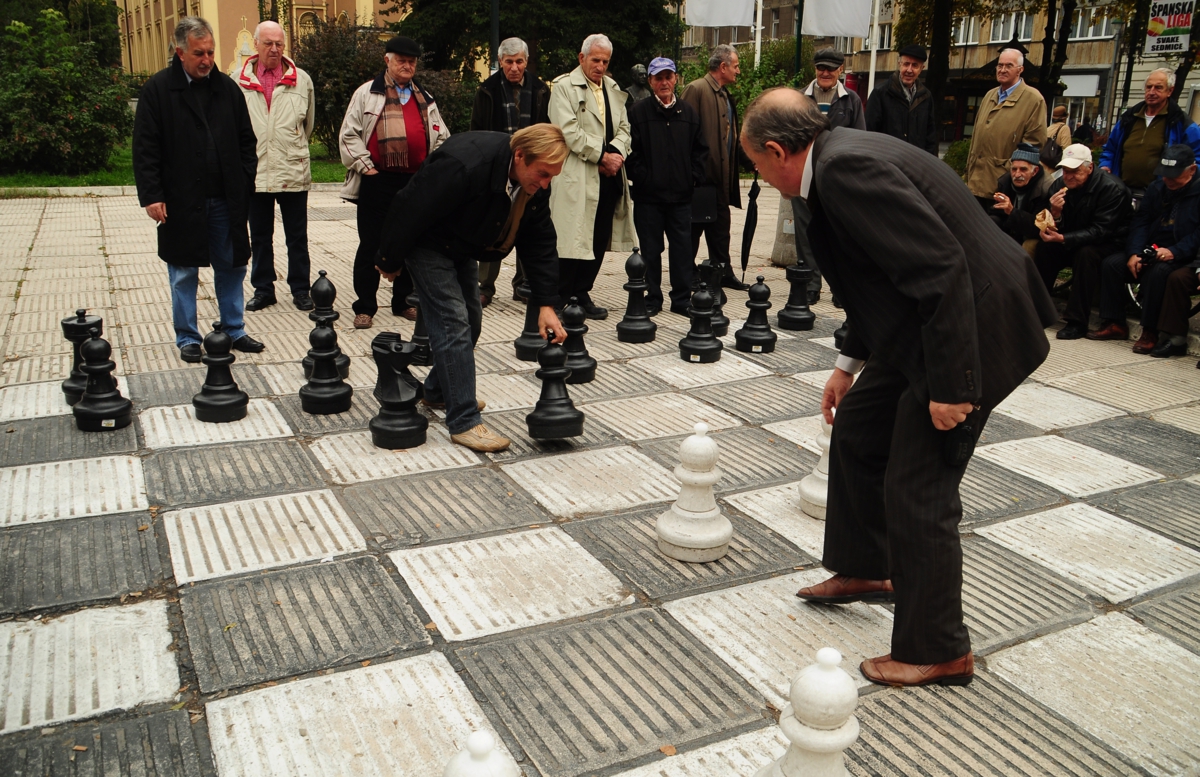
x=948 y=318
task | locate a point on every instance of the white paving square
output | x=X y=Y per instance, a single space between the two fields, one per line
x=828 y=342
x=605 y=480
x=176 y=425
x=353 y=458
x=802 y=431
x=1108 y=555
x=480 y=587
x=77 y=488
x=660 y=415
x=88 y=663
x=1050 y=408
x=778 y=508
x=507 y=392
x=236 y=537
x=32 y=400
x=740 y=756
x=680 y=374
x=1187 y=418
x=768 y=635
x=1071 y=467
x=406 y=717
x=1138 y=388
x=1130 y=688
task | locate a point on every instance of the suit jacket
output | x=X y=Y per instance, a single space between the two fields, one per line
x=932 y=287
x=704 y=94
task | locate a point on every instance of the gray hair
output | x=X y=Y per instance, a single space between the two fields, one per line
x=191 y=27
x=1020 y=56
x=592 y=41
x=1166 y=71
x=511 y=47
x=258 y=27
x=791 y=123
x=722 y=54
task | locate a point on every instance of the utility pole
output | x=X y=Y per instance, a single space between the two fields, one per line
x=495 y=35
x=799 y=32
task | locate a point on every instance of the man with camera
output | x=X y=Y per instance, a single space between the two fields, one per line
x=1163 y=238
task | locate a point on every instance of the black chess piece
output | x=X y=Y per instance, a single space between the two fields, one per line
x=422 y=356
x=636 y=326
x=220 y=400
x=756 y=336
x=839 y=334
x=795 y=316
x=530 y=340
x=554 y=417
x=398 y=424
x=710 y=274
x=325 y=393
x=323 y=294
x=701 y=346
x=77 y=329
x=582 y=365
x=101 y=408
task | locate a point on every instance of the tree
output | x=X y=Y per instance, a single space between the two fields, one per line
x=88 y=21
x=339 y=57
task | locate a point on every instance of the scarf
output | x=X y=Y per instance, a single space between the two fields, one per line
x=393 y=140
x=517 y=116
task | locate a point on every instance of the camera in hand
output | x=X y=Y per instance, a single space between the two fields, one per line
x=1148 y=255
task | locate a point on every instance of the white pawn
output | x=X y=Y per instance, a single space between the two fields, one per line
x=481 y=759
x=814 y=488
x=819 y=723
x=694 y=528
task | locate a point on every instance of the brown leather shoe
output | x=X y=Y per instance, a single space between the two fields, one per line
x=363 y=321
x=1146 y=343
x=885 y=670
x=408 y=313
x=442 y=405
x=484 y=300
x=843 y=589
x=1110 y=331
x=481 y=439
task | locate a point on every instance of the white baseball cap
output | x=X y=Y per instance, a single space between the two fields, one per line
x=1074 y=155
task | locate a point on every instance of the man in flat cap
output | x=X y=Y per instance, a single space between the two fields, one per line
x=841 y=106
x=902 y=107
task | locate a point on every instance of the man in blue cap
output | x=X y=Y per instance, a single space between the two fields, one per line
x=666 y=162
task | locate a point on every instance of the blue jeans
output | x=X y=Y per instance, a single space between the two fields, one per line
x=449 y=293
x=226 y=278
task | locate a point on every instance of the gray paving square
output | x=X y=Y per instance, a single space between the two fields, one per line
x=1161 y=447
x=747 y=457
x=58 y=439
x=763 y=400
x=511 y=424
x=616 y=380
x=222 y=473
x=255 y=628
x=793 y=355
x=362 y=410
x=1171 y=509
x=1175 y=615
x=650 y=684
x=177 y=387
x=1000 y=428
x=989 y=491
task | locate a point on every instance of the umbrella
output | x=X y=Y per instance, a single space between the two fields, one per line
x=751 y=224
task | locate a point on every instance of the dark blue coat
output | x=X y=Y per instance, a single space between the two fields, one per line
x=1187 y=222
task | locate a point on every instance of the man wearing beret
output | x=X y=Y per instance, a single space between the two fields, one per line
x=1021 y=194
x=903 y=108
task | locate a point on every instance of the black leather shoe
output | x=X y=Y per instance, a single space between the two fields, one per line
x=653 y=311
x=595 y=312
x=680 y=310
x=1072 y=331
x=734 y=284
x=302 y=301
x=837 y=303
x=191 y=353
x=260 y=301
x=1164 y=349
x=248 y=344
x=813 y=297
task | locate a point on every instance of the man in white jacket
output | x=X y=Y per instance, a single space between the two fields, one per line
x=282 y=108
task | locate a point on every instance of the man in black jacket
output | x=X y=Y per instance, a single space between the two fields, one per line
x=666 y=162
x=1091 y=210
x=479 y=194
x=194 y=160
x=1021 y=194
x=902 y=107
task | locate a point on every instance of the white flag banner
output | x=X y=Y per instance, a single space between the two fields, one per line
x=720 y=13
x=824 y=18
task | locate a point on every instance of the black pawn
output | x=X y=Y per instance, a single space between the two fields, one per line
x=325 y=393
x=700 y=346
x=796 y=316
x=220 y=400
x=756 y=336
x=711 y=274
x=582 y=365
x=77 y=329
x=101 y=408
x=323 y=294
x=839 y=334
x=636 y=326
x=398 y=424
x=554 y=417
x=422 y=356
x=531 y=340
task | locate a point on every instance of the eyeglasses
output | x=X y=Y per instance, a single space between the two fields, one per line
x=271 y=44
x=1005 y=67
x=826 y=69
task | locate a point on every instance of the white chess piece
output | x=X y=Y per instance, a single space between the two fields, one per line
x=814 y=488
x=481 y=759
x=694 y=528
x=819 y=723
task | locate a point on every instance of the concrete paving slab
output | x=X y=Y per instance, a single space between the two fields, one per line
x=160 y=357
x=763 y=400
x=1099 y=674
x=363 y=409
x=32 y=400
x=1001 y=428
x=26 y=344
x=1170 y=509
x=84 y=664
x=1099 y=551
x=63 y=304
x=778 y=508
x=815 y=378
x=989 y=491
x=614 y=379
x=1132 y=387
x=604 y=480
x=658 y=415
x=1050 y=408
x=1175 y=616
x=1072 y=468
x=603 y=345
x=57 y=438
x=224 y=473
x=237 y=537
x=507 y=392
x=51 y=367
x=684 y=375
x=480 y=587
x=1069 y=357
x=177 y=387
x=792 y=356
x=176 y=426
x=352 y=457
x=504 y=357
x=1162 y=447
x=801 y=431
x=747 y=457
x=1186 y=418
x=512 y=424
x=741 y=755
x=54 y=491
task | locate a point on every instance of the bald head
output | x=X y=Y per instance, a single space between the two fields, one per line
x=777 y=131
x=268 y=41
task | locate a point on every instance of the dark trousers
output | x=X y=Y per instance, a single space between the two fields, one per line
x=894 y=510
x=490 y=271
x=1051 y=258
x=1114 y=299
x=1177 y=301
x=374 y=198
x=716 y=235
x=577 y=276
x=674 y=219
x=801 y=218
x=293 y=206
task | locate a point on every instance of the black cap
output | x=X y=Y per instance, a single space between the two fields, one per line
x=1175 y=160
x=405 y=47
x=914 y=51
x=831 y=57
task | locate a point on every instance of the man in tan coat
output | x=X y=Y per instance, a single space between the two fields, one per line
x=1012 y=113
x=590 y=201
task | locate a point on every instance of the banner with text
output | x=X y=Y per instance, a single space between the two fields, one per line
x=1170 y=28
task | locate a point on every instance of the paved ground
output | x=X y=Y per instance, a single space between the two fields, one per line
x=275 y=596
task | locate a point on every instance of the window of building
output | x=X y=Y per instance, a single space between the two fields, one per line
x=774 y=23
x=884 y=42
x=1090 y=23
x=965 y=31
x=843 y=44
x=1005 y=25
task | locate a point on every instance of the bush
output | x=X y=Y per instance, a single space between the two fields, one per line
x=956 y=156
x=60 y=110
x=777 y=67
x=455 y=96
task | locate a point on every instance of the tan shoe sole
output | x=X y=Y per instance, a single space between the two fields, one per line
x=485 y=442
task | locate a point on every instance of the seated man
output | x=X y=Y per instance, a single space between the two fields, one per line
x=1176 y=309
x=1021 y=194
x=1168 y=222
x=1091 y=210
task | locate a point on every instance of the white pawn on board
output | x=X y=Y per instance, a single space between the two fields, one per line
x=814 y=488
x=819 y=722
x=481 y=759
x=694 y=529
